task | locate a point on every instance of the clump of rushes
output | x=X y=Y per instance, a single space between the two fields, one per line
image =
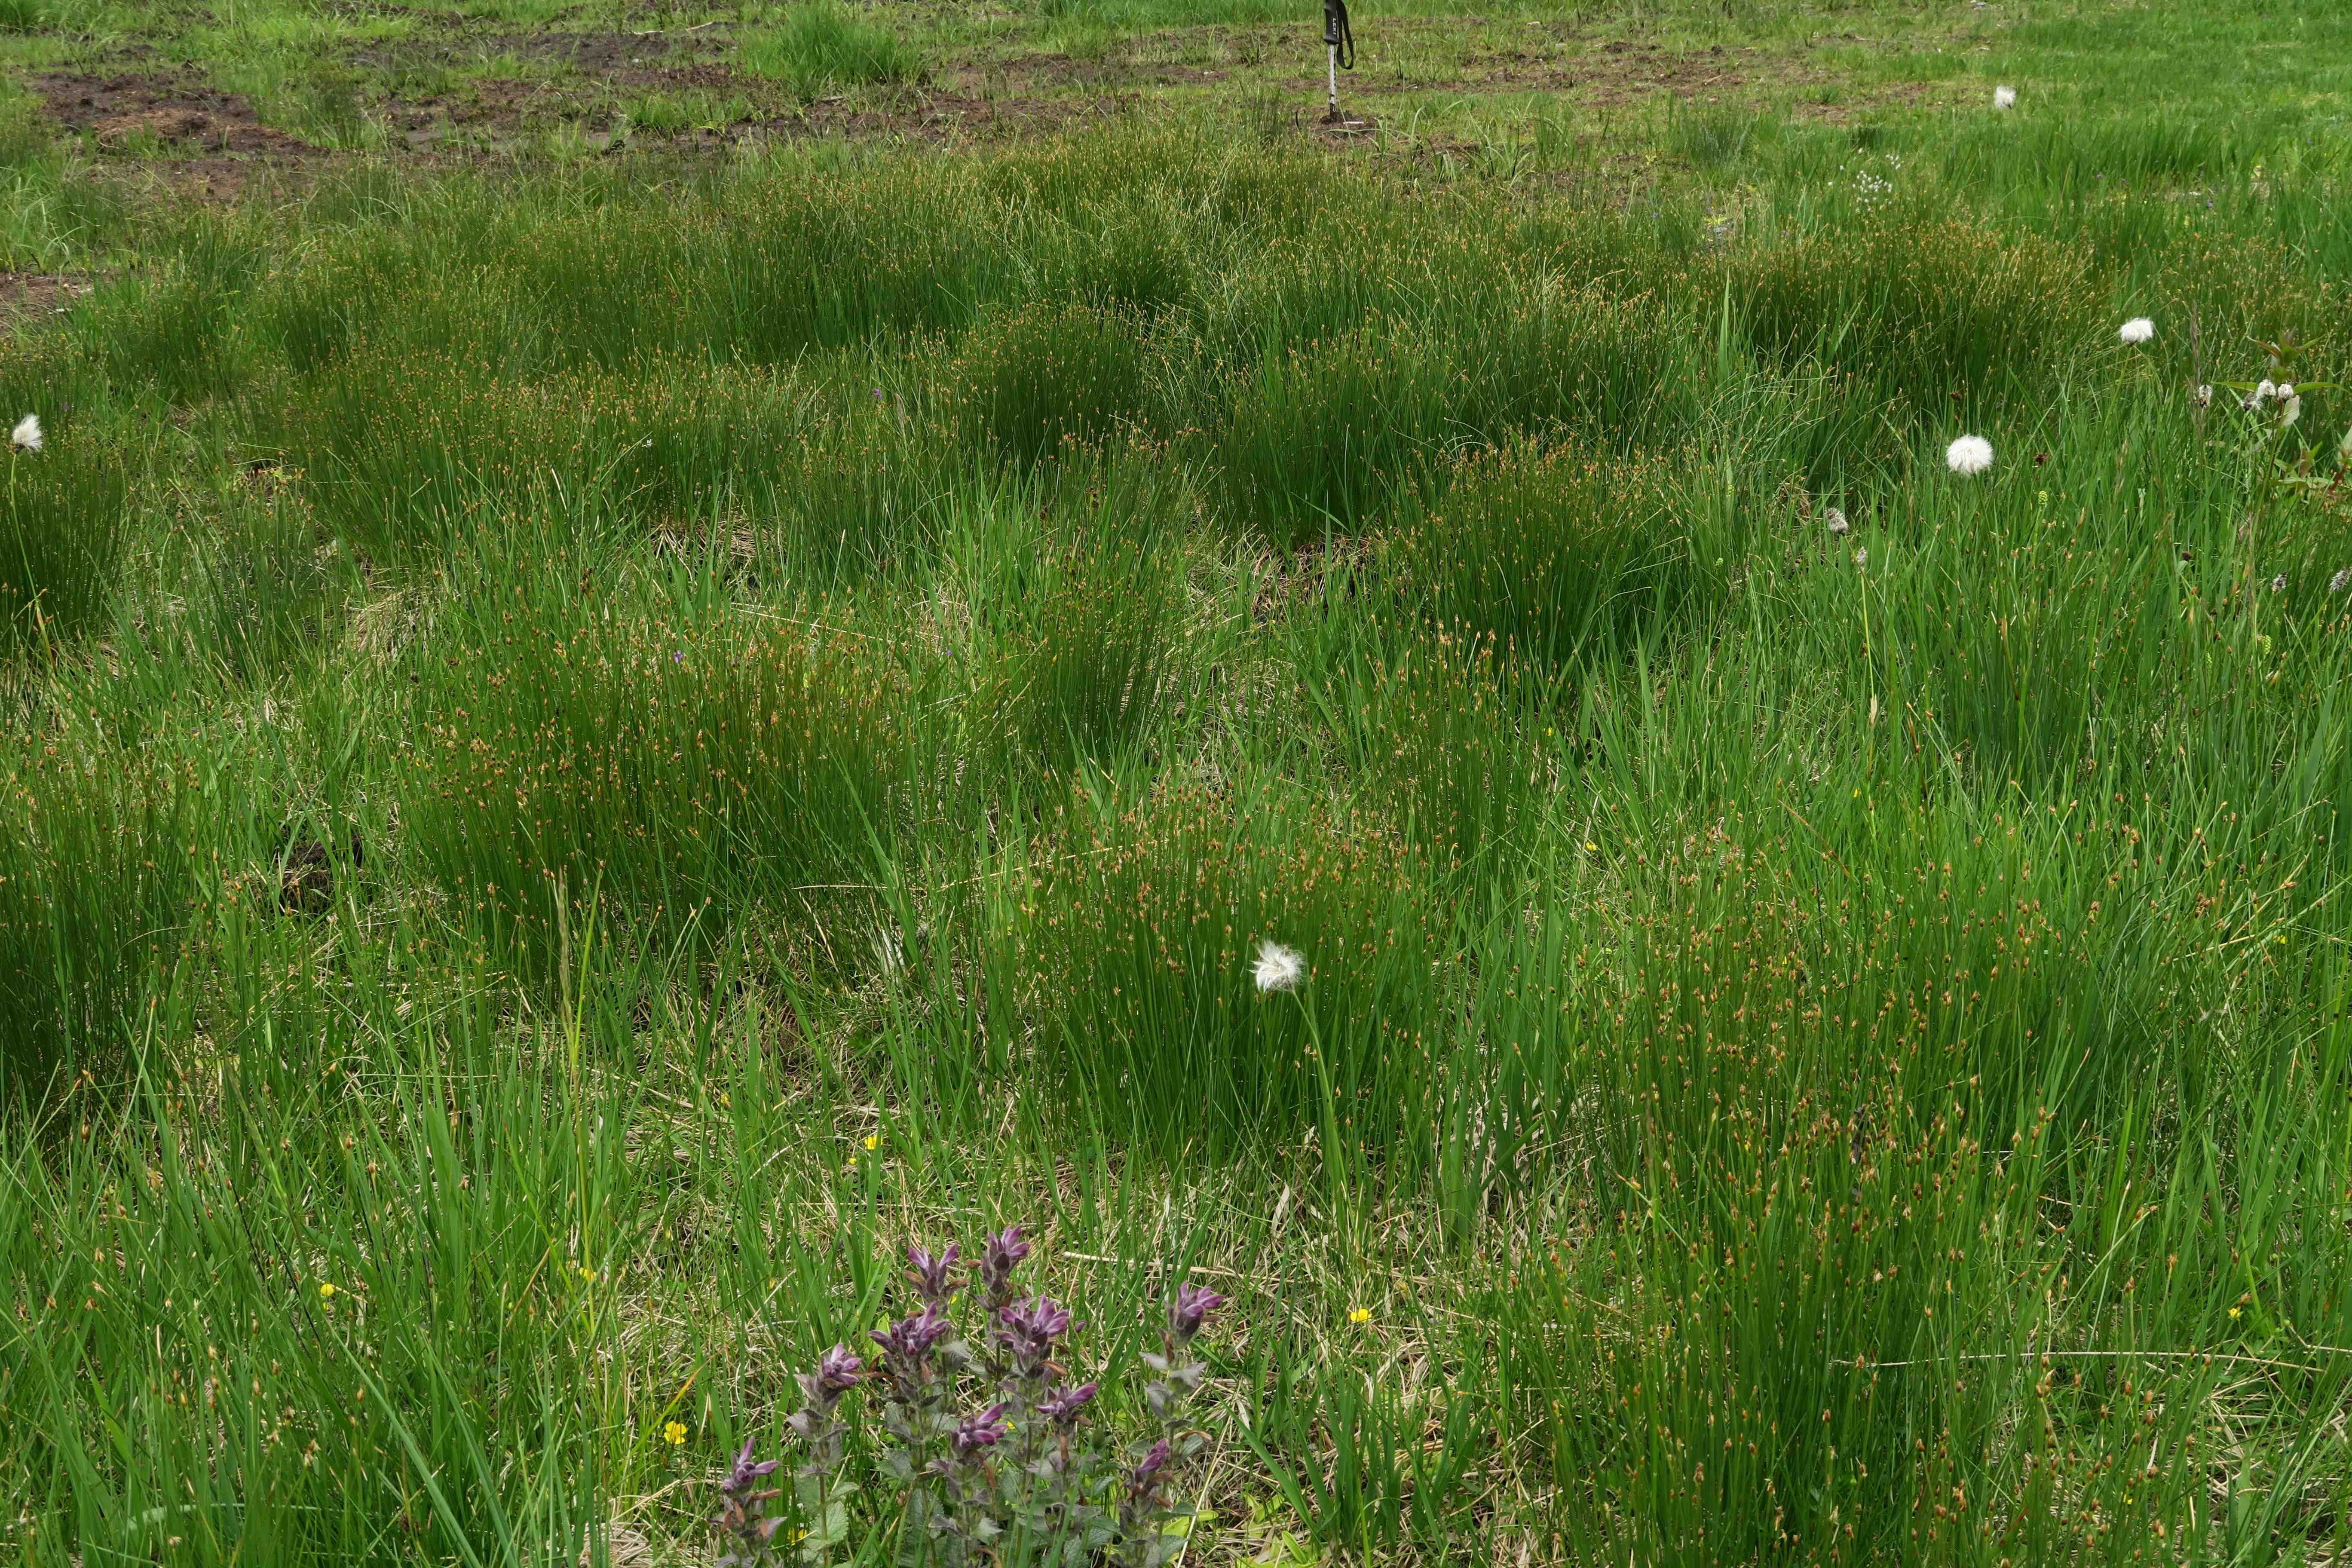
x=989 y=1437
x=679 y=763
x=1543 y=549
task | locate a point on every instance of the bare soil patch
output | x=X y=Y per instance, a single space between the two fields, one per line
x=943 y=117
x=127 y=113
x=27 y=299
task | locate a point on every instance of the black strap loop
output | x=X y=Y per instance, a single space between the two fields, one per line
x=1336 y=33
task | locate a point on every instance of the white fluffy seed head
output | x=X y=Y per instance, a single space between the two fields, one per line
x=2341 y=581
x=2004 y=98
x=2278 y=584
x=1839 y=527
x=1968 y=455
x=2138 y=330
x=27 y=436
x=1279 y=968
x=2202 y=396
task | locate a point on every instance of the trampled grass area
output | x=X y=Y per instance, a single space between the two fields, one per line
x=597 y=744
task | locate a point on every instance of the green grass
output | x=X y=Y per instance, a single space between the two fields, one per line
x=794 y=680
x=825 y=45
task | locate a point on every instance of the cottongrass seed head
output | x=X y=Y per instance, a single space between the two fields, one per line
x=2278 y=584
x=1839 y=527
x=2341 y=581
x=1968 y=455
x=2004 y=98
x=2138 y=330
x=27 y=436
x=2202 y=396
x=1279 y=968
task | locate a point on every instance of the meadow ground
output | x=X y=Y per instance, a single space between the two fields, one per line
x=653 y=651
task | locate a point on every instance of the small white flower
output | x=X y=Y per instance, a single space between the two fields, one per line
x=2138 y=330
x=27 y=436
x=1839 y=527
x=1279 y=968
x=1968 y=455
x=2341 y=581
x=2004 y=98
x=2285 y=389
x=2278 y=584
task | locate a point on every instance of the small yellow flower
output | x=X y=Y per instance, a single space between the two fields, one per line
x=1592 y=846
x=676 y=1431
x=872 y=1140
x=586 y=1273
x=326 y=1290
x=2233 y=1314
x=1361 y=1315
x=853 y=1162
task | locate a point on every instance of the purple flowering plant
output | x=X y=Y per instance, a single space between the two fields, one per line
x=990 y=1438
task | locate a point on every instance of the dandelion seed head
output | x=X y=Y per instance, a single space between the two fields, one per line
x=2138 y=330
x=1968 y=455
x=1279 y=968
x=27 y=436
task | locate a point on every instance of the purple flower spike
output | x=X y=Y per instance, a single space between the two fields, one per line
x=1029 y=1332
x=740 y=1478
x=910 y=1338
x=984 y=1430
x=1061 y=1406
x=1004 y=1251
x=1191 y=1309
x=1145 y=1477
x=930 y=1274
x=837 y=1372
x=744 y=1517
